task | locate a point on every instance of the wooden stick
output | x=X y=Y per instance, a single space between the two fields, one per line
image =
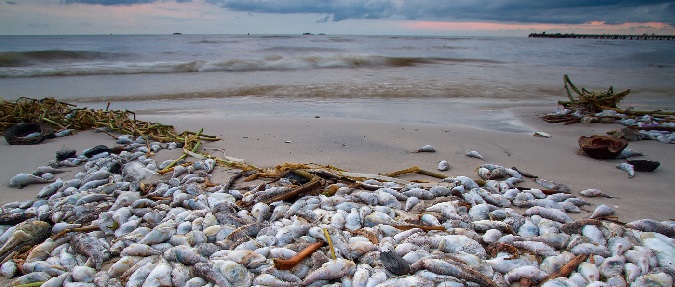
x=314 y=184
x=330 y=243
x=77 y=229
x=287 y=264
x=567 y=269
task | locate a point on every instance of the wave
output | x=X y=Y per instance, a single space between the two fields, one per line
x=277 y=63
x=32 y=58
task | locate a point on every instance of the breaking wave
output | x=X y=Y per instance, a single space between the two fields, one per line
x=24 y=64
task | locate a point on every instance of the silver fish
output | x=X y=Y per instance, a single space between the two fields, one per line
x=331 y=270
x=23 y=179
x=426 y=148
x=443 y=165
x=92 y=248
x=602 y=210
x=209 y=272
x=474 y=154
x=552 y=185
x=628 y=168
x=443 y=267
x=531 y=272
x=594 y=192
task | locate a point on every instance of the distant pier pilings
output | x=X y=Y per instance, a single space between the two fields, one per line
x=603 y=36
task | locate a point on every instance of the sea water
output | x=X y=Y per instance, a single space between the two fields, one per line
x=471 y=81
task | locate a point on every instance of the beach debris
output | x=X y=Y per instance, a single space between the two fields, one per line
x=414 y=169
x=474 y=154
x=626 y=133
x=27 y=233
x=270 y=227
x=28 y=133
x=541 y=134
x=64 y=154
x=48 y=114
x=287 y=264
x=644 y=165
x=590 y=100
x=602 y=147
x=443 y=165
x=552 y=185
x=602 y=107
x=594 y=192
x=395 y=263
x=426 y=148
x=628 y=168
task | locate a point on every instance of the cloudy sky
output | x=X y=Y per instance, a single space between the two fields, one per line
x=386 y=17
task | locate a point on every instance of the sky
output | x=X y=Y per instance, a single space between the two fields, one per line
x=345 y=17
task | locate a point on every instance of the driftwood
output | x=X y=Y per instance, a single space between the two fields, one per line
x=287 y=264
x=590 y=100
x=568 y=268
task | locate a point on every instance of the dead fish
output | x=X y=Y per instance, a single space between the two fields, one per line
x=474 y=154
x=159 y=276
x=271 y=280
x=530 y=272
x=26 y=233
x=575 y=227
x=628 y=168
x=536 y=247
x=496 y=173
x=24 y=179
x=626 y=153
x=415 y=280
x=602 y=210
x=92 y=248
x=443 y=267
x=552 y=185
x=549 y=213
x=443 y=165
x=426 y=148
x=330 y=270
x=594 y=192
x=209 y=272
x=47 y=169
x=650 y=225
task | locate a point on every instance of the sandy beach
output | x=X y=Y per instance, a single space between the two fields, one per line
x=382 y=147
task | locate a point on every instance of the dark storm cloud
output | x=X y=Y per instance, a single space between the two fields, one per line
x=555 y=11
x=337 y=9
x=117 y=2
x=517 y=11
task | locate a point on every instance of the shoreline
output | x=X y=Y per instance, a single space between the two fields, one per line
x=382 y=147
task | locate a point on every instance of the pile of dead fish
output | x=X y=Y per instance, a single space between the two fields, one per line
x=643 y=127
x=189 y=231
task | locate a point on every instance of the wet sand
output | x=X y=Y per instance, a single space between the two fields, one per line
x=382 y=147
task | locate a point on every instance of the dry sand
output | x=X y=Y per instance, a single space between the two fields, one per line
x=381 y=147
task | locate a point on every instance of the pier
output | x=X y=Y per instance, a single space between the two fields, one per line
x=603 y=36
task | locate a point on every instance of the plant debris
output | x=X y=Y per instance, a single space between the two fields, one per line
x=603 y=107
x=64 y=117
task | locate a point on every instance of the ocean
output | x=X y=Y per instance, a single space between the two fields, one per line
x=471 y=81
